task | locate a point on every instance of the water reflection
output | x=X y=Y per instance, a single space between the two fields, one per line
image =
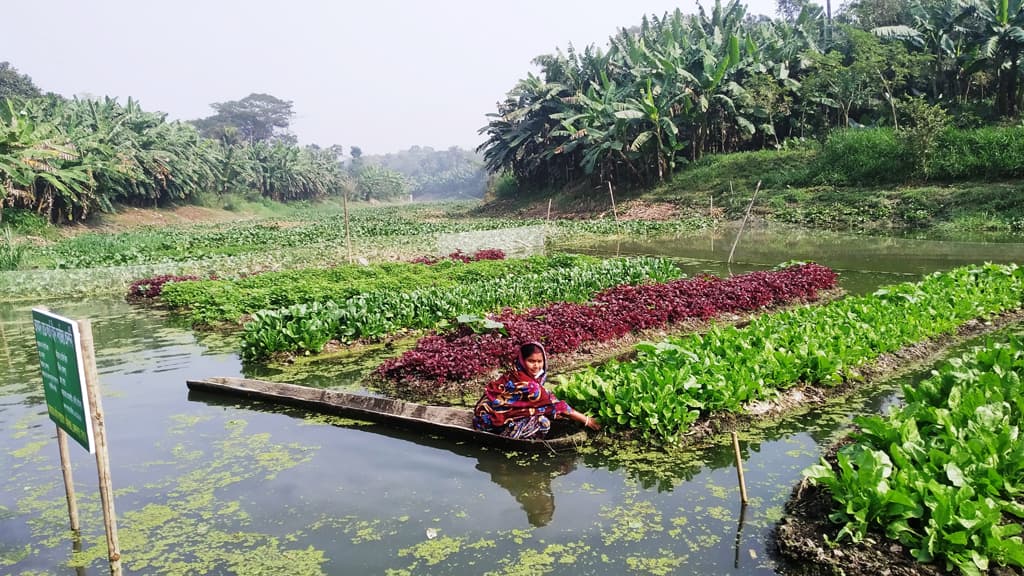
x=529 y=484
x=526 y=476
x=864 y=262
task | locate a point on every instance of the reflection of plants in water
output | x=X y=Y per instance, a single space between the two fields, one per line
x=651 y=467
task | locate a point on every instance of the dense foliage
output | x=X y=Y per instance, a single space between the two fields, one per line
x=70 y=158
x=680 y=86
x=673 y=383
x=201 y=241
x=611 y=314
x=943 y=474
x=382 y=311
x=211 y=301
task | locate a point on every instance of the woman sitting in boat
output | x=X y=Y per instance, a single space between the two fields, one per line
x=518 y=406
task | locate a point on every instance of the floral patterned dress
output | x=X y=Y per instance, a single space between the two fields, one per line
x=518 y=406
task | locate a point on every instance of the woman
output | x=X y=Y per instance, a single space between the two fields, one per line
x=518 y=406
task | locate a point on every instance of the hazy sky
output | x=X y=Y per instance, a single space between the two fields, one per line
x=381 y=74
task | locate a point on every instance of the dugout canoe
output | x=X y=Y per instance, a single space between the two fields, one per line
x=450 y=422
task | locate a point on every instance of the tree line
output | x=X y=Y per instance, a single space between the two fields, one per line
x=69 y=158
x=675 y=88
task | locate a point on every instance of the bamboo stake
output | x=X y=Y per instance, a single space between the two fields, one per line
x=744 y=222
x=549 y=210
x=69 y=482
x=92 y=384
x=739 y=468
x=348 y=238
x=612 y=194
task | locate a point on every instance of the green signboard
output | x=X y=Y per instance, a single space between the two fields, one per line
x=60 y=358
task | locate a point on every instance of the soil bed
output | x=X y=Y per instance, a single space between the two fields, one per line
x=800 y=537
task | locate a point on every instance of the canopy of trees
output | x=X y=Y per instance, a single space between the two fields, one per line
x=69 y=158
x=681 y=86
x=257 y=118
x=16 y=84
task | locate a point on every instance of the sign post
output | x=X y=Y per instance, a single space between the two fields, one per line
x=71 y=387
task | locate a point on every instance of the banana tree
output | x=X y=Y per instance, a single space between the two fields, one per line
x=999 y=45
x=40 y=169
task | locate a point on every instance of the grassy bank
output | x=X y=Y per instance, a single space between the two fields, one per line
x=727 y=182
x=966 y=181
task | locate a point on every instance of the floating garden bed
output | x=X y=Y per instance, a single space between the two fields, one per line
x=467 y=292
x=674 y=383
x=456 y=357
x=228 y=300
x=930 y=488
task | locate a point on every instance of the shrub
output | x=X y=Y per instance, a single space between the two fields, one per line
x=923 y=125
x=862 y=156
x=984 y=153
x=11 y=252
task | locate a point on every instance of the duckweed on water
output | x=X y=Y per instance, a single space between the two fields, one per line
x=30 y=449
x=433 y=551
x=182 y=423
x=365 y=531
x=721 y=513
x=535 y=562
x=661 y=566
x=191 y=531
x=631 y=522
x=12 y=557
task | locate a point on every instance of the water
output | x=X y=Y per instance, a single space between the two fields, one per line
x=211 y=485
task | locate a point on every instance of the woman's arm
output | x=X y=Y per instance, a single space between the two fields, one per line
x=583 y=419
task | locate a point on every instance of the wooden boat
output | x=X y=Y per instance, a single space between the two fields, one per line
x=455 y=423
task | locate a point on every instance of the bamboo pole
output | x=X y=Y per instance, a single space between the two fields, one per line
x=612 y=194
x=739 y=468
x=69 y=482
x=549 y=210
x=92 y=384
x=348 y=238
x=744 y=222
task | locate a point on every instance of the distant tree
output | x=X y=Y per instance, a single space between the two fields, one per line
x=357 y=160
x=375 y=182
x=16 y=84
x=868 y=14
x=436 y=174
x=258 y=118
x=790 y=9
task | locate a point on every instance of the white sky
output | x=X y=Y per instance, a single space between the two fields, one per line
x=381 y=74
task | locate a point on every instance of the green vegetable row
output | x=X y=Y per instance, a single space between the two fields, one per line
x=673 y=383
x=944 y=474
x=307 y=327
x=211 y=301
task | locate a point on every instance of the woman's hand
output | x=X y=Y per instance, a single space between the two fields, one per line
x=592 y=424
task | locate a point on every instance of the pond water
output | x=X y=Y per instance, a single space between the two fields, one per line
x=208 y=485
